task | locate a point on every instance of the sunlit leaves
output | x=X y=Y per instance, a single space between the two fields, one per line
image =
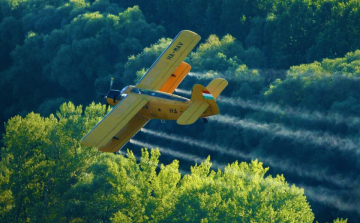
x=25 y=142
x=240 y=193
x=41 y=160
x=216 y=54
x=332 y=80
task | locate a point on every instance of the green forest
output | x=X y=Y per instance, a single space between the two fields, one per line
x=284 y=148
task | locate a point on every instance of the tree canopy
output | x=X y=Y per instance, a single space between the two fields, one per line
x=50 y=177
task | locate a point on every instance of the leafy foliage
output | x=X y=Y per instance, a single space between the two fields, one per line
x=240 y=194
x=48 y=176
x=42 y=159
x=335 y=78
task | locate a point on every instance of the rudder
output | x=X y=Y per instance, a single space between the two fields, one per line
x=201 y=93
x=201 y=100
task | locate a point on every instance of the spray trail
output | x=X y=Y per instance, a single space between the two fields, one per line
x=321 y=195
x=138 y=158
x=167 y=151
x=193 y=74
x=328 y=197
x=194 y=142
x=326 y=140
x=287 y=110
x=203 y=75
x=211 y=75
x=170 y=152
x=284 y=165
x=305 y=114
x=181 y=91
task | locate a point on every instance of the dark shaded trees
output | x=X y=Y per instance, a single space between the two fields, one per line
x=51 y=50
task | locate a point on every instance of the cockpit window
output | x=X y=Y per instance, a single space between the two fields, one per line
x=124 y=89
x=136 y=91
x=157 y=94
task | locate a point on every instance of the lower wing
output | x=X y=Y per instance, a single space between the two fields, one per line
x=125 y=134
x=114 y=121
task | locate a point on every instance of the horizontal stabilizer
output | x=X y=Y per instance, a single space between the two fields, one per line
x=194 y=112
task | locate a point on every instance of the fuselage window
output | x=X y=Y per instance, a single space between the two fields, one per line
x=156 y=94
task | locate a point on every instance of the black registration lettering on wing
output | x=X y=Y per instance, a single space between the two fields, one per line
x=175 y=49
x=170 y=56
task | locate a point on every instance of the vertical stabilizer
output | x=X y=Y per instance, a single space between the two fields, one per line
x=201 y=100
x=201 y=93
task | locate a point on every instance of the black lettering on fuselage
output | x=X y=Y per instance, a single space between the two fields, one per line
x=173 y=110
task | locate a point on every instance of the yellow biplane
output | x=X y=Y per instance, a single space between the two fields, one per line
x=152 y=98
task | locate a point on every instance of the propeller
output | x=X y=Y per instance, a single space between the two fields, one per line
x=111 y=83
x=105 y=96
x=115 y=95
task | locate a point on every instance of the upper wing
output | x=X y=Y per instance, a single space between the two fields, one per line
x=176 y=78
x=169 y=60
x=125 y=134
x=114 y=121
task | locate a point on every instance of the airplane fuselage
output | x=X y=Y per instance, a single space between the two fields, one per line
x=160 y=105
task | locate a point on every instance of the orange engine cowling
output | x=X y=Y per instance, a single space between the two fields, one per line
x=113 y=97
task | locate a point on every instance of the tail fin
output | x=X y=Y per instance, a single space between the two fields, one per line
x=201 y=93
x=201 y=100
